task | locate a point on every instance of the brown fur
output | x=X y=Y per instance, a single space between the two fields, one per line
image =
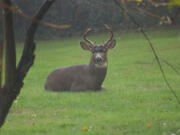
x=83 y=77
x=76 y=78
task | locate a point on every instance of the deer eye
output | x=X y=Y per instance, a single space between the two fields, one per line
x=100 y=49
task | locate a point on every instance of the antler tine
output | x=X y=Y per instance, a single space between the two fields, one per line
x=110 y=32
x=85 y=37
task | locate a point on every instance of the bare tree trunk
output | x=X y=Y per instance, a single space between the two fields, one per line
x=10 y=51
x=10 y=63
x=15 y=77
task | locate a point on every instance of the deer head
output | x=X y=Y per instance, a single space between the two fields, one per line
x=99 y=52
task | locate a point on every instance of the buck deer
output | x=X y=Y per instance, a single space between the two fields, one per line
x=83 y=77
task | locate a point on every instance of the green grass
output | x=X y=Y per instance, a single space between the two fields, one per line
x=135 y=101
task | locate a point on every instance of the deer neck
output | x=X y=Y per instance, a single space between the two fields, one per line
x=94 y=69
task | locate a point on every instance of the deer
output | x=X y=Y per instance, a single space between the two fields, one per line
x=83 y=77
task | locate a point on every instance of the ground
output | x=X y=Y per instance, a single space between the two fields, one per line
x=134 y=101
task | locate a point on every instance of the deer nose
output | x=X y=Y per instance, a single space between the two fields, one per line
x=98 y=59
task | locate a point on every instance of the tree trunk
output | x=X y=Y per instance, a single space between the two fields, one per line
x=14 y=77
x=10 y=63
x=9 y=42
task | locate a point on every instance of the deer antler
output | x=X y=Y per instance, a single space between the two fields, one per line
x=85 y=37
x=111 y=34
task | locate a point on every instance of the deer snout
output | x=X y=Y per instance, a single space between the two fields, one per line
x=98 y=59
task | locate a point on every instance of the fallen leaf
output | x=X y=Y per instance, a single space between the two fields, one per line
x=148 y=125
x=85 y=128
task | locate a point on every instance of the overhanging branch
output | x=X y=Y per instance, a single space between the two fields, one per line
x=153 y=50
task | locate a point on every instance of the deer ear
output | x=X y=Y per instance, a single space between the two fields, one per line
x=111 y=44
x=85 y=46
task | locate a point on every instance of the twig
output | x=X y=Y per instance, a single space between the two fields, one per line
x=19 y=12
x=153 y=50
x=171 y=66
x=147 y=12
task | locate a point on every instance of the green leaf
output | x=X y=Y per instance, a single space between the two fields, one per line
x=173 y=3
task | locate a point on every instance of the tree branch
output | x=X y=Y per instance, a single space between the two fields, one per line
x=153 y=50
x=28 y=56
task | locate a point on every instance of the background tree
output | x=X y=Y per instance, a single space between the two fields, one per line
x=83 y=13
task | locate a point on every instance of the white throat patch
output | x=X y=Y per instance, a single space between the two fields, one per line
x=104 y=65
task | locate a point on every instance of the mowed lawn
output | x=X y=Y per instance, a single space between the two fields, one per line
x=135 y=100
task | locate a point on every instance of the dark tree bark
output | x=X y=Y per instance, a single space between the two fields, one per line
x=10 y=63
x=14 y=77
x=10 y=51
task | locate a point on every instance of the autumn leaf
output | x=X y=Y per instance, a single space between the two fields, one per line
x=85 y=128
x=148 y=125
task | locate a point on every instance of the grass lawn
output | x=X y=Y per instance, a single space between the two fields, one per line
x=135 y=101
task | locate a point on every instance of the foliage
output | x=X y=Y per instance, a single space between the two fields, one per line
x=135 y=99
x=88 y=13
x=174 y=3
